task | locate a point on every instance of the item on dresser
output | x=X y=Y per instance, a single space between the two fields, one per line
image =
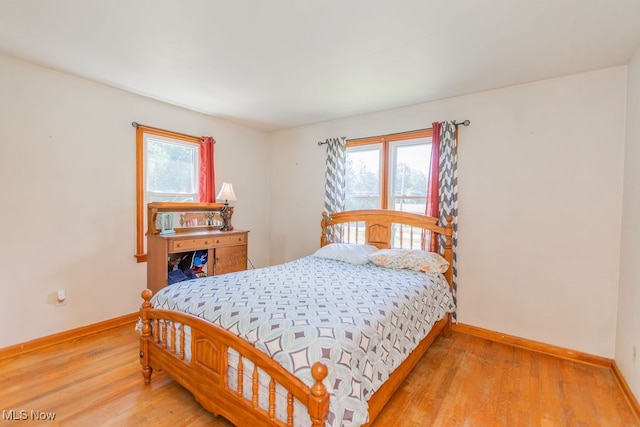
x=228 y=195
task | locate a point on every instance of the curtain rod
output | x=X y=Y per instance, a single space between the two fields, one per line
x=137 y=125
x=463 y=123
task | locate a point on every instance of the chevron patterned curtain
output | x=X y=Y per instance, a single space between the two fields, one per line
x=448 y=190
x=334 y=185
x=335 y=174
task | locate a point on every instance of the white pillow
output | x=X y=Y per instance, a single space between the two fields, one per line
x=347 y=252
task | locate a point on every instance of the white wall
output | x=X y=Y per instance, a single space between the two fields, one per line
x=628 y=326
x=540 y=190
x=67 y=188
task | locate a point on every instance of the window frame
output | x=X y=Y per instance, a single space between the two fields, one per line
x=386 y=141
x=141 y=255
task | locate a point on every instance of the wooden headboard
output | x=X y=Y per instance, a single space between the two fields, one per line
x=388 y=229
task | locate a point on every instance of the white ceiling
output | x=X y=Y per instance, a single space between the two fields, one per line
x=284 y=63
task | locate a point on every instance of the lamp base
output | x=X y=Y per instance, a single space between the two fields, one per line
x=225 y=214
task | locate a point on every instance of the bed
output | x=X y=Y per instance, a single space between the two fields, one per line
x=335 y=355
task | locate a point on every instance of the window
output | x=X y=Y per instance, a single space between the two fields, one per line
x=362 y=180
x=171 y=169
x=167 y=171
x=388 y=172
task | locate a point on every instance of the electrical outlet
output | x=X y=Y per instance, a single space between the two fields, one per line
x=61 y=298
x=633 y=357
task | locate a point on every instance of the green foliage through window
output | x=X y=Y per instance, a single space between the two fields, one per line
x=171 y=170
x=406 y=180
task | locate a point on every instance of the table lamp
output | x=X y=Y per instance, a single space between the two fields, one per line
x=226 y=193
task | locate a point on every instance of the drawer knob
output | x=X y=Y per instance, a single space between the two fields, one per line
x=206 y=242
x=218 y=241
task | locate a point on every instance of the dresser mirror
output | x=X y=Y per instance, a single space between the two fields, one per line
x=197 y=219
x=171 y=217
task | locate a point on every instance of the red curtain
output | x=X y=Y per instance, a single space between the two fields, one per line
x=432 y=185
x=207 y=178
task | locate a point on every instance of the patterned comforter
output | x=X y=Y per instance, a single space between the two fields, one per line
x=360 y=320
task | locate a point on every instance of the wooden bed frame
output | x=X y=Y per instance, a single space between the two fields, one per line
x=205 y=374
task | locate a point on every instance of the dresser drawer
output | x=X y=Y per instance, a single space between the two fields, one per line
x=234 y=239
x=191 y=244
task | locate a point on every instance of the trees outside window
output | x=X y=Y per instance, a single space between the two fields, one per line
x=388 y=172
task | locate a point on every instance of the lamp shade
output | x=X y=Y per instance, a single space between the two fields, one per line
x=226 y=193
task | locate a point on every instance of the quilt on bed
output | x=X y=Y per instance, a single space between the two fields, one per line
x=360 y=320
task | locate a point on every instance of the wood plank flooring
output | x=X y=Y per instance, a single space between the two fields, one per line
x=462 y=381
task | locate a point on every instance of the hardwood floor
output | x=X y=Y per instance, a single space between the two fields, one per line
x=462 y=381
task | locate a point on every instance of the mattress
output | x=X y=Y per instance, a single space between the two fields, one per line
x=360 y=320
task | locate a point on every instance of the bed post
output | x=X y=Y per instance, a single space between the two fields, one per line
x=318 y=406
x=323 y=224
x=145 y=336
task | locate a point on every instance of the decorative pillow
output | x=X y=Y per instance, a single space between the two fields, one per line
x=412 y=259
x=347 y=252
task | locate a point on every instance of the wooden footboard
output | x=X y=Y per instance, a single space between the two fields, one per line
x=203 y=369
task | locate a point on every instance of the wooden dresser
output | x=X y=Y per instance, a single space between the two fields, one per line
x=226 y=250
